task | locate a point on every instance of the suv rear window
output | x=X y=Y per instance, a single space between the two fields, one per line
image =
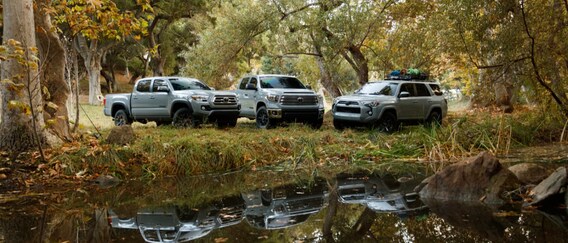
x=422 y=90
x=436 y=89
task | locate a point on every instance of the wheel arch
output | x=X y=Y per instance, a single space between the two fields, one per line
x=432 y=109
x=388 y=110
x=118 y=106
x=178 y=105
x=258 y=105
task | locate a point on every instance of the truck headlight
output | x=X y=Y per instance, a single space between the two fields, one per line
x=371 y=103
x=202 y=98
x=320 y=99
x=273 y=97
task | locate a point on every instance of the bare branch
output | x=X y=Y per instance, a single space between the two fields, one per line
x=534 y=64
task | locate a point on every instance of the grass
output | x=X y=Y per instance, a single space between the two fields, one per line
x=166 y=150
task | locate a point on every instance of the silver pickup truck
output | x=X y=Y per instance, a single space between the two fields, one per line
x=178 y=101
x=271 y=98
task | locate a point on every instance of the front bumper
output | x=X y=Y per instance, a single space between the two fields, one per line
x=302 y=114
x=363 y=114
x=206 y=111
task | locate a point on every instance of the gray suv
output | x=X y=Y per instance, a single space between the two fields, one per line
x=385 y=104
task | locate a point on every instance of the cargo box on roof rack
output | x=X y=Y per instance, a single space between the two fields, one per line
x=410 y=74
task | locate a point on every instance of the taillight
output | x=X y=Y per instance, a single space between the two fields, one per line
x=104 y=101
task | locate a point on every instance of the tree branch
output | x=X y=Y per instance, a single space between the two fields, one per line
x=534 y=64
x=302 y=53
x=388 y=4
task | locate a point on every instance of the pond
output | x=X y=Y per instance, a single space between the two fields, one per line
x=270 y=206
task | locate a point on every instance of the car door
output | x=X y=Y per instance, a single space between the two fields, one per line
x=424 y=100
x=247 y=97
x=407 y=106
x=159 y=106
x=141 y=103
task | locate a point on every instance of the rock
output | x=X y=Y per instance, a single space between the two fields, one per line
x=121 y=135
x=529 y=173
x=479 y=179
x=107 y=181
x=549 y=186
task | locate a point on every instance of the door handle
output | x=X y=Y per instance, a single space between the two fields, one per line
x=152 y=98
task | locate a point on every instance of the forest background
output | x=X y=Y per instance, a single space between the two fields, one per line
x=501 y=54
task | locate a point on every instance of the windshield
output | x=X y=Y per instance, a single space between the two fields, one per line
x=188 y=84
x=378 y=88
x=281 y=83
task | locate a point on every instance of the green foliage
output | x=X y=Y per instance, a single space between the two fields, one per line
x=100 y=19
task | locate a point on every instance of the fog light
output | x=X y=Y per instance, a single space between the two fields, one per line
x=370 y=113
x=203 y=108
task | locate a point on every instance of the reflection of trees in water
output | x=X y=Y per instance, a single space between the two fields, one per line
x=15 y=227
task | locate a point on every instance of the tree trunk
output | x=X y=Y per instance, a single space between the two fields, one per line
x=158 y=65
x=93 y=71
x=92 y=55
x=332 y=211
x=358 y=62
x=327 y=79
x=326 y=76
x=52 y=61
x=20 y=130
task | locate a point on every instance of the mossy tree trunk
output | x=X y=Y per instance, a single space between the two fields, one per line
x=52 y=63
x=21 y=125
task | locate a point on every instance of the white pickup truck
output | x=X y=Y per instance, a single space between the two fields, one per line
x=179 y=101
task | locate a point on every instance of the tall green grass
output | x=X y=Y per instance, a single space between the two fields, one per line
x=161 y=151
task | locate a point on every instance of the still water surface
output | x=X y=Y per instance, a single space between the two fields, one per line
x=361 y=206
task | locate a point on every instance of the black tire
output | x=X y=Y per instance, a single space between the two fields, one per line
x=388 y=123
x=434 y=119
x=339 y=125
x=316 y=123
x=121 y=118
x=263 y=120
x=183 y=117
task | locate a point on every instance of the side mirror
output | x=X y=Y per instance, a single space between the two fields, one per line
x=250 y=87
x=404 y=94
x=308 y=86
x=163 y=88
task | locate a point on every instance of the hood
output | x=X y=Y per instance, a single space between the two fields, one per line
x=358 y=97
x=203 y=92
x=222 y=92
x=290 y=91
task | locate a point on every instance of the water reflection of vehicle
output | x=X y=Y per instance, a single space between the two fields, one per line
x=380 y=194
x=181 y=223
x=284 y=206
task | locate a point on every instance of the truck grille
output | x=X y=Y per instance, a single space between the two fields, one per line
x=299 y=100
x=225 y=100
x=348 y=109
x=343 y=102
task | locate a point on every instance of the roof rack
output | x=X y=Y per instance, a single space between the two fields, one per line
x=410 y=74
